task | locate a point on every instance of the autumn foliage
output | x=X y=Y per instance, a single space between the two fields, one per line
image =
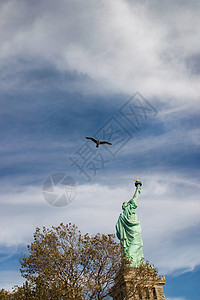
x=63 y=264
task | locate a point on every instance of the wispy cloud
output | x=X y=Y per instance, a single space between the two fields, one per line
x=129 y=48
x=66 y=68
x=9 y=279
x=166 y=215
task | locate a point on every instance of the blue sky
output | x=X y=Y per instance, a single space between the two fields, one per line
x=125 y=71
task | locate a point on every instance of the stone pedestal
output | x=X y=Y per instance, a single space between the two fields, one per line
x=137 y=284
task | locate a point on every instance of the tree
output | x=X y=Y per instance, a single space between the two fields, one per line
x=4 y=295
x=63 y=264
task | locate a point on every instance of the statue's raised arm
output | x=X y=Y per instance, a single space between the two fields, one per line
x=138 y=185
x=128 y=229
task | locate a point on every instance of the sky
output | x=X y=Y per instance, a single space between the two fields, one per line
x=123 y=71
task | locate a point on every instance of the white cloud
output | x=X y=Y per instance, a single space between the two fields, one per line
x=123 y=46
x=168 y=209
x=9 y=279
x=176 y=138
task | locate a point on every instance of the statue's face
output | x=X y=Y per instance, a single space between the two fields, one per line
x=124 y=205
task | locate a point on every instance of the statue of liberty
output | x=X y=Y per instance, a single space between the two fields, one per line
x=128 y=229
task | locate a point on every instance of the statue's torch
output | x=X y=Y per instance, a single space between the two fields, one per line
x=138 y=182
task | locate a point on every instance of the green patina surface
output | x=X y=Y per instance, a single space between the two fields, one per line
x=128 y=230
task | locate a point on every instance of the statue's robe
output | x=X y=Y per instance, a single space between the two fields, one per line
x=128 y=230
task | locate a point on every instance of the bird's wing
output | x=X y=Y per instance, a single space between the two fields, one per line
x=104 y=142
x=91 y=139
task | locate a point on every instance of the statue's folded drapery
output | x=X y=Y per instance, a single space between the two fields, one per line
x=128 y=231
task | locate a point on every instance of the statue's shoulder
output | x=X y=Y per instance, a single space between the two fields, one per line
x=133 y=203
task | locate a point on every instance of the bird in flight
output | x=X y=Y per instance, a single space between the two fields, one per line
x=98 y=142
